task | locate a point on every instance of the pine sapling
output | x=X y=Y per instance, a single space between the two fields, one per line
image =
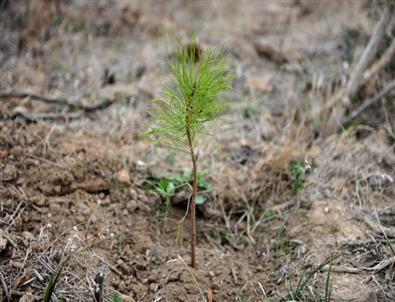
x=187 y=105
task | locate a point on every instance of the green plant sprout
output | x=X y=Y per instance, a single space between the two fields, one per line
x=296 y=169
x=181 y=115
x=297 y=294
x=168 y=185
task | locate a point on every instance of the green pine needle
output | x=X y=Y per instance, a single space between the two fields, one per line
x=194 y=100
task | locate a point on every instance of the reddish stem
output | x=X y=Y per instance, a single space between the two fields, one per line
x=193 y=203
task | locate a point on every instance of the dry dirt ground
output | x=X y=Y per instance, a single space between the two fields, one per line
x=289 y=214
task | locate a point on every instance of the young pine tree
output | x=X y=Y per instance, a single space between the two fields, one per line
x=181 y=115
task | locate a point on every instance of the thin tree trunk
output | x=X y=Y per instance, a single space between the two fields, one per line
x=193 y=203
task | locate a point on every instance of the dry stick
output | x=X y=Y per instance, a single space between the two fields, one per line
x=210 y=295
x=57 y=101
x=341 y=269
x=385 y=59
x=51 y=116
x=355 y=270
x=54 y=279
x=99 y=282
x=49 y=289
x=369 y=53
x=192 y=275
x=380 y=266
x=4 y=286
x=33 y=96
x=389 y=232
x=366 y=104
x=112 y=267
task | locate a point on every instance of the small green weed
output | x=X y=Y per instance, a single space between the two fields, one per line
x=249 y=112
x=115 y=298
x=241 y=299
x=50 y=287
x=270 y=215
x=390 y=137
x=171 y=184
x=298 y=293
x=297 y=170
x=280 y=245
x=119 y=245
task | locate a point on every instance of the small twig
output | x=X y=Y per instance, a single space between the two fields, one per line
x=262 y=289
x=380 y=63
x=112 y=267
x=192 y=275
x=389 y=232
x=378 y=285
x=37 y=274
x=33 y=96
x=10 y=219
x=385 y=235
x=45 y=265
x=232 y=270
x=380 y=266
x=4 y=286
x=127 y=298
x=54 y=279
x=30 y=281
x=99 y=283
x=342 y=269
x=32 y=118
x=6 y=235
x=369 y=53
x=210 y=295
x=20 y=276
x=57 y=101
x=355 y=270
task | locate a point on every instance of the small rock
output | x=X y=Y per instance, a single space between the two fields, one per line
x=104 y=202
x=16 y=151
x=27 y=297
x=379 y=181
x=38 y=200
x=28 y=236
x=92 y=185
x=270 y=52
x=258 y=83
x=3 y=153
x=9 y=173
x=3 y=241
x=154 y=287
x=124 y=177
x=138 y=70
x=132 y=206
x=108 y=77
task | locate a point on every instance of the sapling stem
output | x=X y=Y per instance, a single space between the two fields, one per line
x=193 y=200
x=180 y=116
